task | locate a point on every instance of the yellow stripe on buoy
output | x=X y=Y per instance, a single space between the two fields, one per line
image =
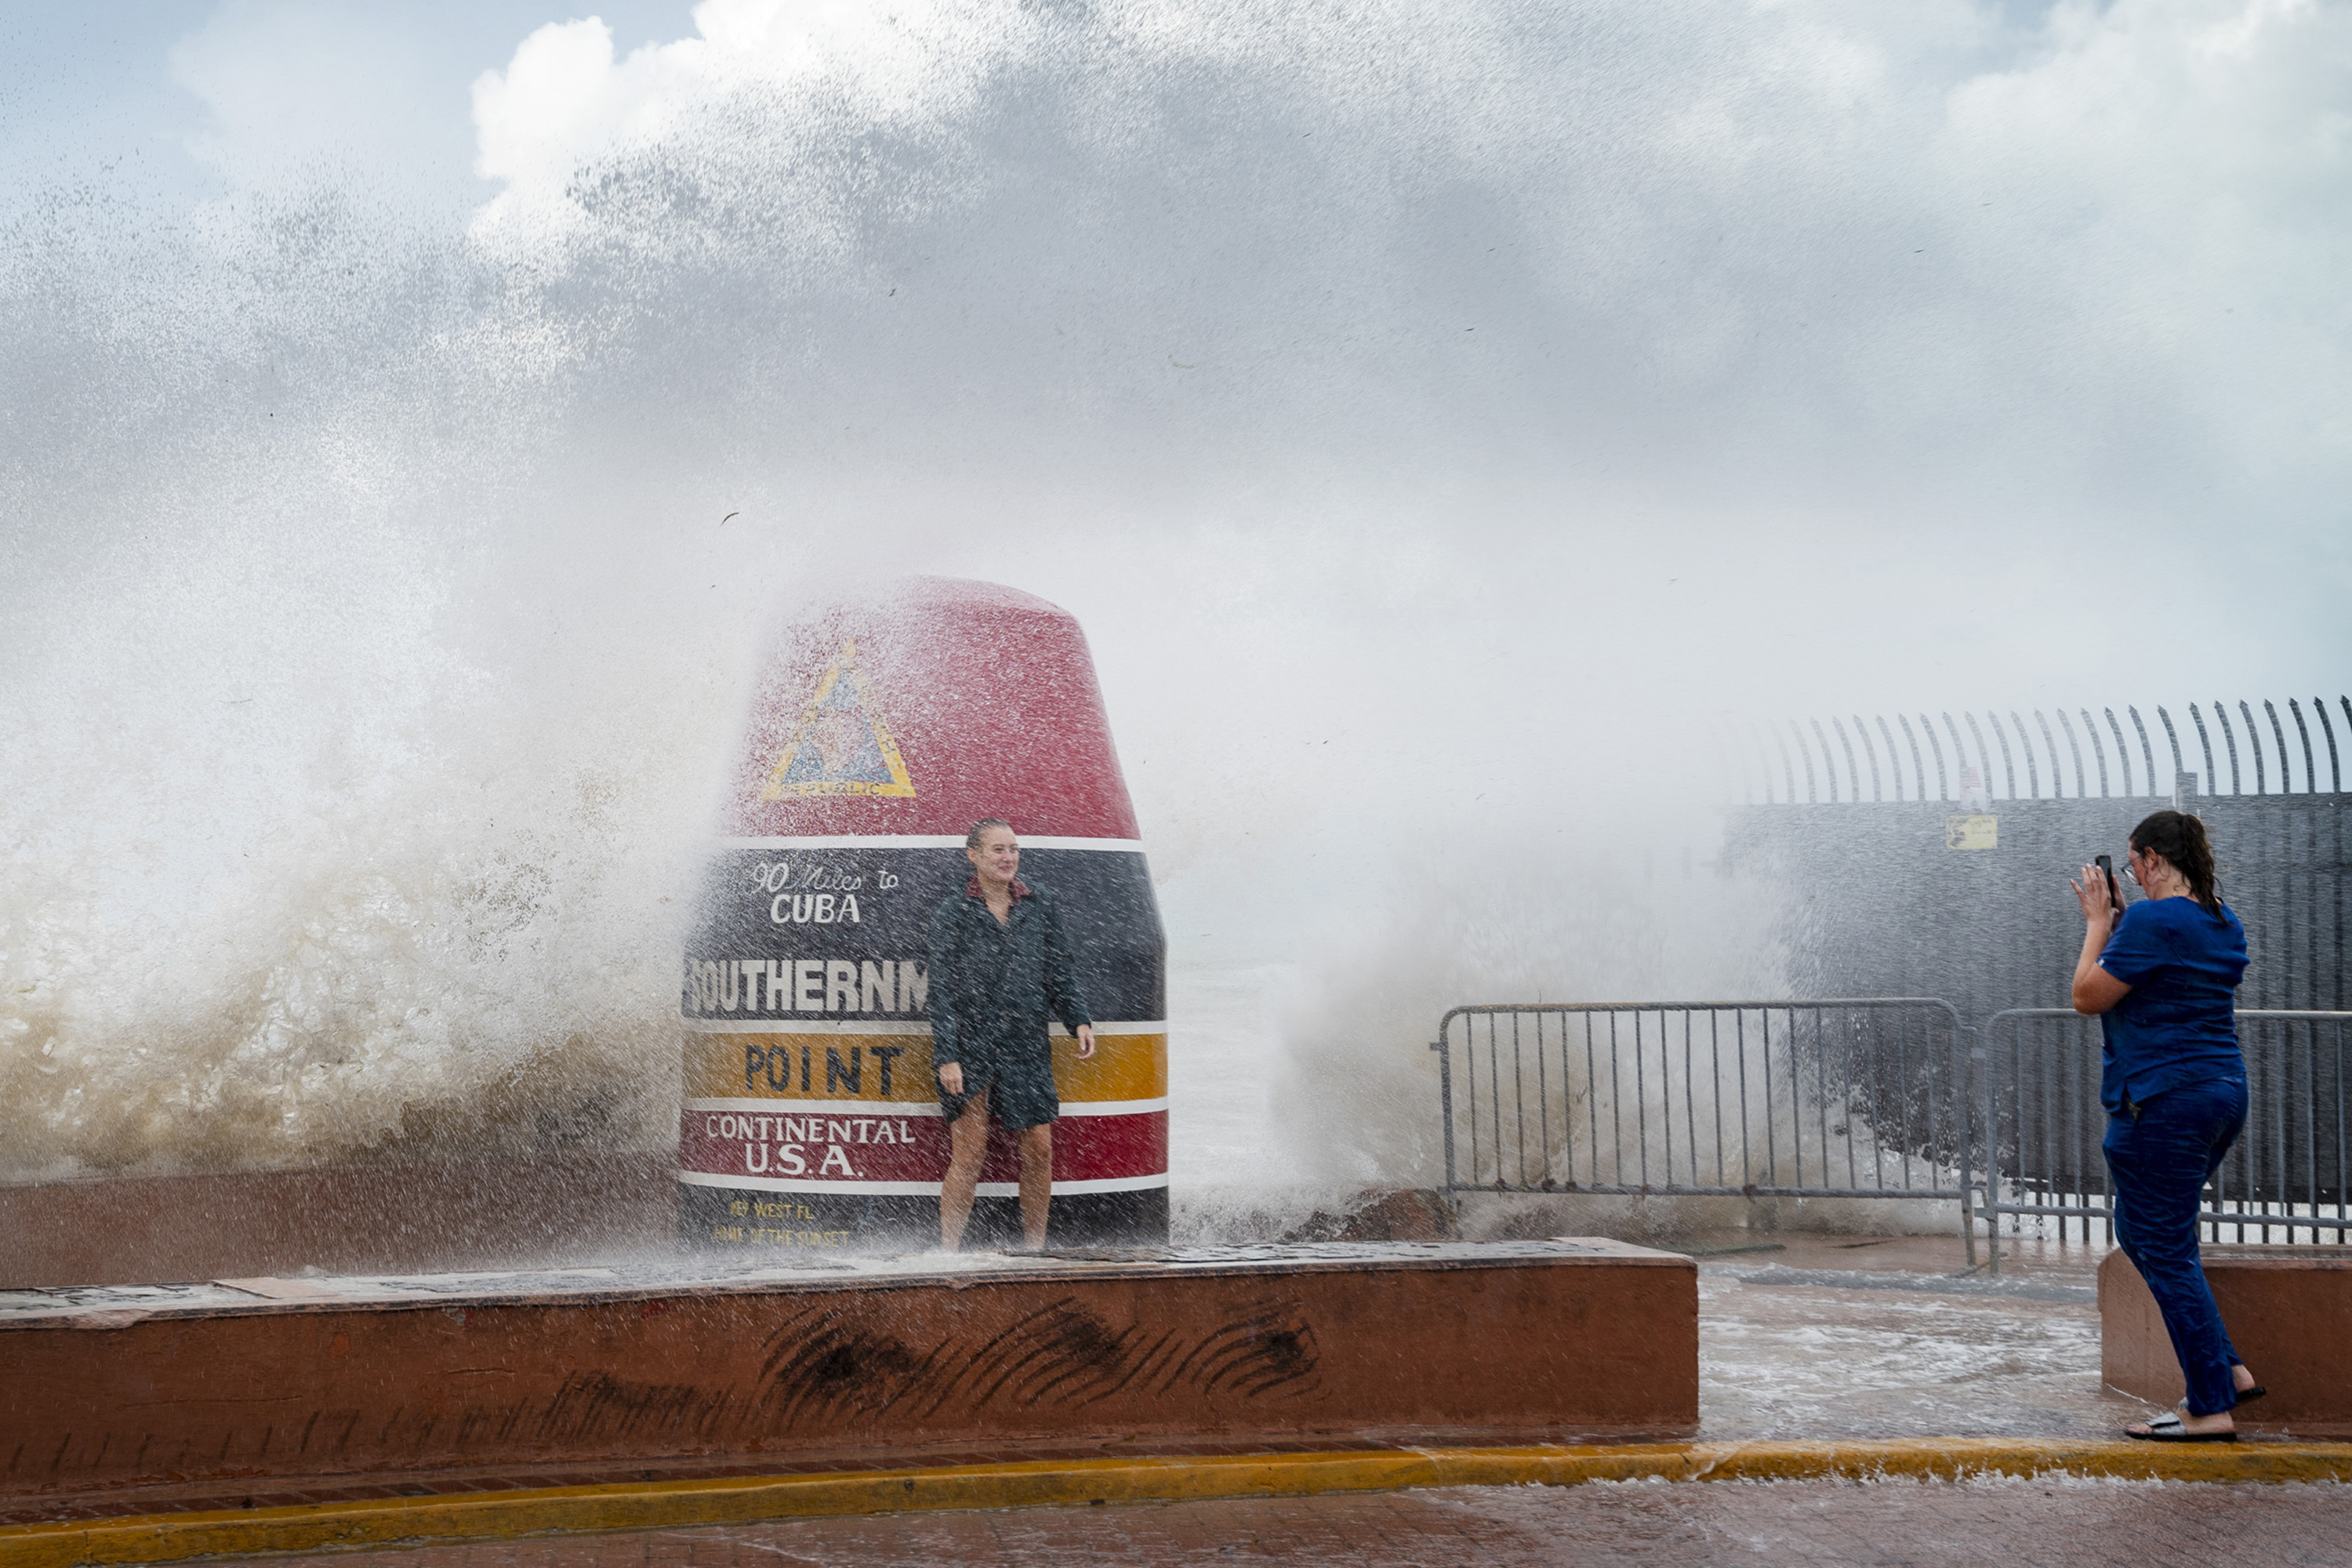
x=851 y=1065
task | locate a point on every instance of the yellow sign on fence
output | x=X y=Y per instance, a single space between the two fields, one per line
x=1972 y=832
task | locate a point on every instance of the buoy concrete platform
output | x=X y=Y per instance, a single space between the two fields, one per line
x=867 y=1360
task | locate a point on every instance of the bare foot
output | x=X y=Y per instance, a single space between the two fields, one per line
x=2240 y=1378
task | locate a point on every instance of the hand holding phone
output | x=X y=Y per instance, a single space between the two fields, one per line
x=2107 y=864
x=2102 y=900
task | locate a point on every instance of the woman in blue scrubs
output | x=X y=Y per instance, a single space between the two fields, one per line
x=2162 y=974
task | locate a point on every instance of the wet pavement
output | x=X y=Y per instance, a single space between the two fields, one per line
x=2017 y=1523
x=1830 y=1336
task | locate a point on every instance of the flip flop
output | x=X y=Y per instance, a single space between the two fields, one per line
x=2170 y=1429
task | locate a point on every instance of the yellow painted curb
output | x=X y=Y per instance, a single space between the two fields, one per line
x=1048 y=1483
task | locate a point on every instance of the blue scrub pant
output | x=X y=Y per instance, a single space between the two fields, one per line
x=2160 y=1161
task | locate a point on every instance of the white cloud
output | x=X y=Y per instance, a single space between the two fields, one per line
x=565 y=99
x=561 y=100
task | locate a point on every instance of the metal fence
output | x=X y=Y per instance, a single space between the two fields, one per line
x=1846 y=814
x=1871 y=1098
x=1809 y=1098
x=2284 y=1180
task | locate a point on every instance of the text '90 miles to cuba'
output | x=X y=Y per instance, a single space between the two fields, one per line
x=813 y=895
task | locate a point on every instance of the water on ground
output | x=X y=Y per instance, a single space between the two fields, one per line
x=1843 y=1336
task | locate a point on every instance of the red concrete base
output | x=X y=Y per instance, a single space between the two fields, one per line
x=473 y=1213
x=1513 y=1341
x=2289 y=1312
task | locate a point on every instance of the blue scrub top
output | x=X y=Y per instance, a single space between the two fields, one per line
x=2177 y=1025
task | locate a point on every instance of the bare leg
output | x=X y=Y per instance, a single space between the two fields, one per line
x=1036 y=1183
x=967 y=1146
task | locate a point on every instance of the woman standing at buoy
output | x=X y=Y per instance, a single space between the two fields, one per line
x=2164 y=973
x=1001 y=968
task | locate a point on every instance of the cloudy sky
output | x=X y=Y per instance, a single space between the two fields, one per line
x=1437 y=415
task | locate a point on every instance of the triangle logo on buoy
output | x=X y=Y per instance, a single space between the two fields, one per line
x=841 y=746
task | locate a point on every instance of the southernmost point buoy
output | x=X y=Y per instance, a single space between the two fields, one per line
x=883 y=729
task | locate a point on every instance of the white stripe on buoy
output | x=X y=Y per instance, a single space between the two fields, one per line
x=916 y=1189
x=910 y=1107
x=795 y=1023
x=922 y=841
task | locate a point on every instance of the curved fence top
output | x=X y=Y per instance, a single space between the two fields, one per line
x=2037 y=755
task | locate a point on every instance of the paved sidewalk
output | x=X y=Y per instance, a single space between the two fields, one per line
x=2015 y=1524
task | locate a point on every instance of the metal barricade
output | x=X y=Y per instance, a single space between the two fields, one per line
x=1847 y=1098
x=2285 y=1178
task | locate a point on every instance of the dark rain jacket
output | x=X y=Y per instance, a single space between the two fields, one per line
x=993 y=990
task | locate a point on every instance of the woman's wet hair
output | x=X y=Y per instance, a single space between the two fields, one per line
x=2179 y=838
x=979 y=830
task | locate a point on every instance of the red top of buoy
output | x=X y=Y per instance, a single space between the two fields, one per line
x=922 y=711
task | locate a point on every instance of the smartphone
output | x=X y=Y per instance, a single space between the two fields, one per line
x=2107 y=864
